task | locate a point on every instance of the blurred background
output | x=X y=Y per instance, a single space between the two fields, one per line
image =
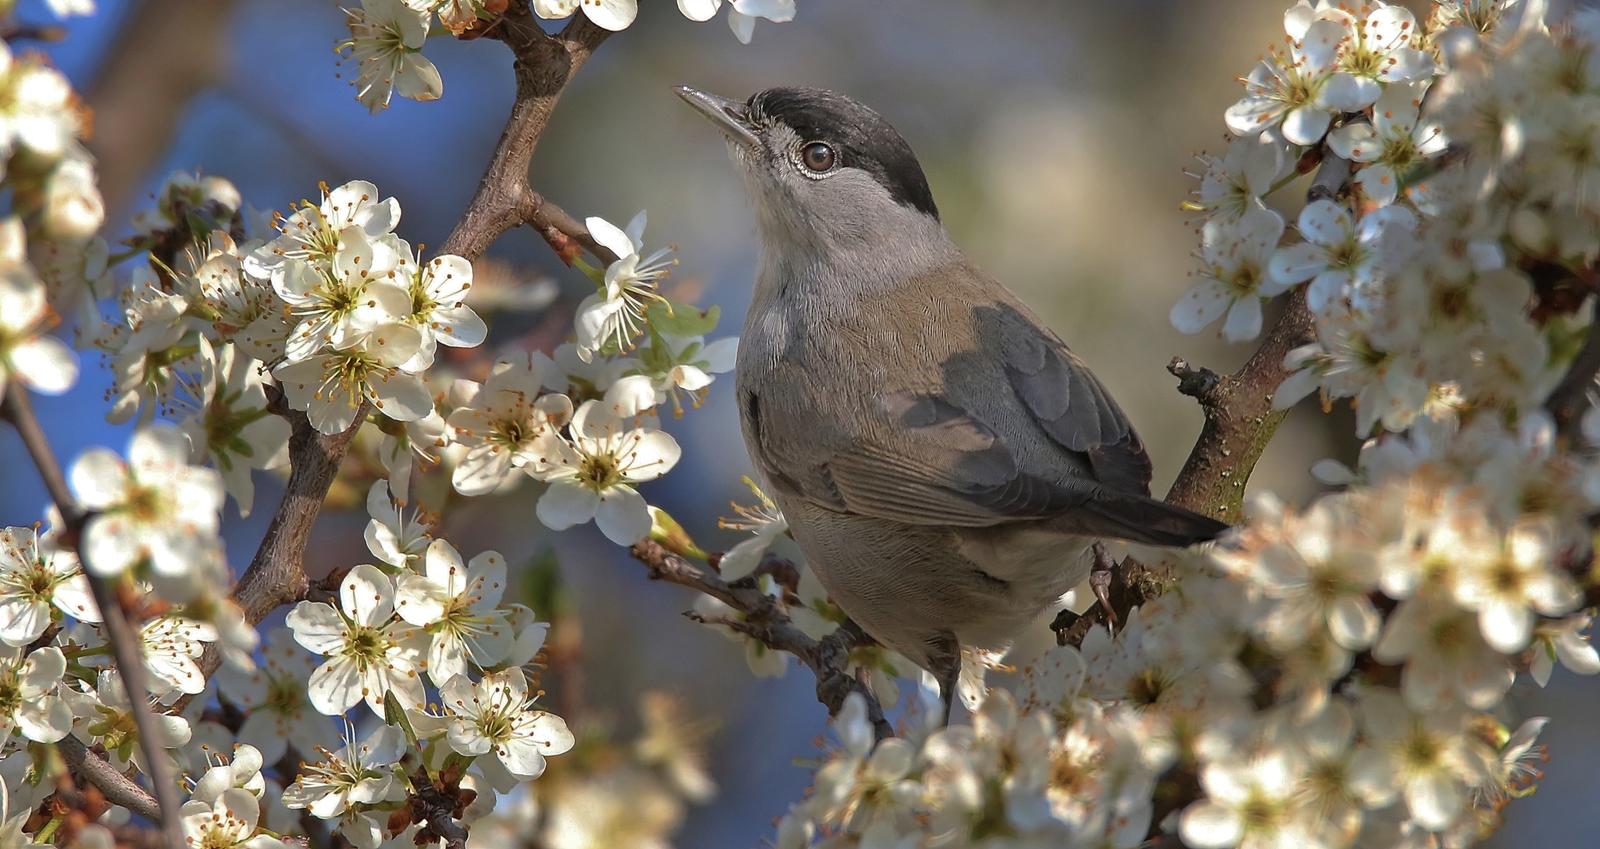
x=1055 y=135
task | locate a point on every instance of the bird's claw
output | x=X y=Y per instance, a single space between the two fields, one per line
x=1100 y=581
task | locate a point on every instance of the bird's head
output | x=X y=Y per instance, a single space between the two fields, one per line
x=823 y=171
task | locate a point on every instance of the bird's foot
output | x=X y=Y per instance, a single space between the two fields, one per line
x=1100 y=581
x=946 y=660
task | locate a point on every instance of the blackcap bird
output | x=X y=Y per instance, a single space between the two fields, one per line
x=943 y=460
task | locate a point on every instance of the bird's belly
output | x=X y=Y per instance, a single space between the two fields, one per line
x=910 y=586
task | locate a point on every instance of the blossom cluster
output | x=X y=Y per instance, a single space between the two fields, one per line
x=387 y=36
x=227 y=323
x=215 y=338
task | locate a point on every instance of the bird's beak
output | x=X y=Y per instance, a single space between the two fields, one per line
x=731 y=116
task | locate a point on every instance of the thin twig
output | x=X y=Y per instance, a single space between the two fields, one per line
x=118 y=788
x=126 y=644
x=768 y=621
x=544 y=66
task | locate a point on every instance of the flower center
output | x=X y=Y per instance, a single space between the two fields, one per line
x=1146 y=687
x=367 y=645
x=600 y=470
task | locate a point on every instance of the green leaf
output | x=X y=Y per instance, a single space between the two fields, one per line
x=394 y=714
x=680 y=319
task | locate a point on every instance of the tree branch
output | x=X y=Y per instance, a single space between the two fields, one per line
x=126 y=643
x=544 y=66
x=1240 y=419
x=437 y=811
x=276 y=575
x=767 y=620
x=118 y=788
x=1566 y=403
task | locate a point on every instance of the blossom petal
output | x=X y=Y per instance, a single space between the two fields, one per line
x=699 y=10
x=567 y=503
x=1199 y=307
x=46 y=364
x=1306 y=124
x=623 y=515
x=1210 y=826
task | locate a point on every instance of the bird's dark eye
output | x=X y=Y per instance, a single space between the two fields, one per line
x=818 y=157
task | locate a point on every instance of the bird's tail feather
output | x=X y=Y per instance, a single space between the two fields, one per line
x=1140 y=519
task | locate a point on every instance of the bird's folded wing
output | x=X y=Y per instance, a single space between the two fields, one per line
x=1070 y=405
x=932 y=463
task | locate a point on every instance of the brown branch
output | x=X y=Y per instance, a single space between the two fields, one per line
x=544 y=66
x=1240 y=419
x=767 y=620
x=276 y=575
x=126 y=644
x=118 y=788
x=1571 y=396
x=437 y=811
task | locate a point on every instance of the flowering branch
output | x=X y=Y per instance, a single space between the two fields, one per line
x=544 y=66
x=125 y=642
x=766 y=620
x=1240 y=418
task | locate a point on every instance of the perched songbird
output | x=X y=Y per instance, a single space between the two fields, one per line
x=943 y=460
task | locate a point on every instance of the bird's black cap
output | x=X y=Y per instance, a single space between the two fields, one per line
x=860 y=137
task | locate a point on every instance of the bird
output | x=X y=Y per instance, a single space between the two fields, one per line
x=943 y=460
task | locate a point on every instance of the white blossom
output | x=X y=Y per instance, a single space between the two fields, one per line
x=331 y=386
x=613 y=317
x=501 y=420
x=591 y=474
x=1564 y=641
x=229 y=822
x=229 y=423
x=391 y=536
x=370 y=654
x=1510 y=583
x=34 y=579
x=275 y=698
x=742 y=14
x=438 y=309
x=28 y=354
x=28 y=702
x=456 y=604
x=154 y=508
x=1289 y=87
x=386 y=43
x=613 y=15
x=361 y=773
x=495 y=715
x=1394 y=143
x=1234 y=279
x=314 y=233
